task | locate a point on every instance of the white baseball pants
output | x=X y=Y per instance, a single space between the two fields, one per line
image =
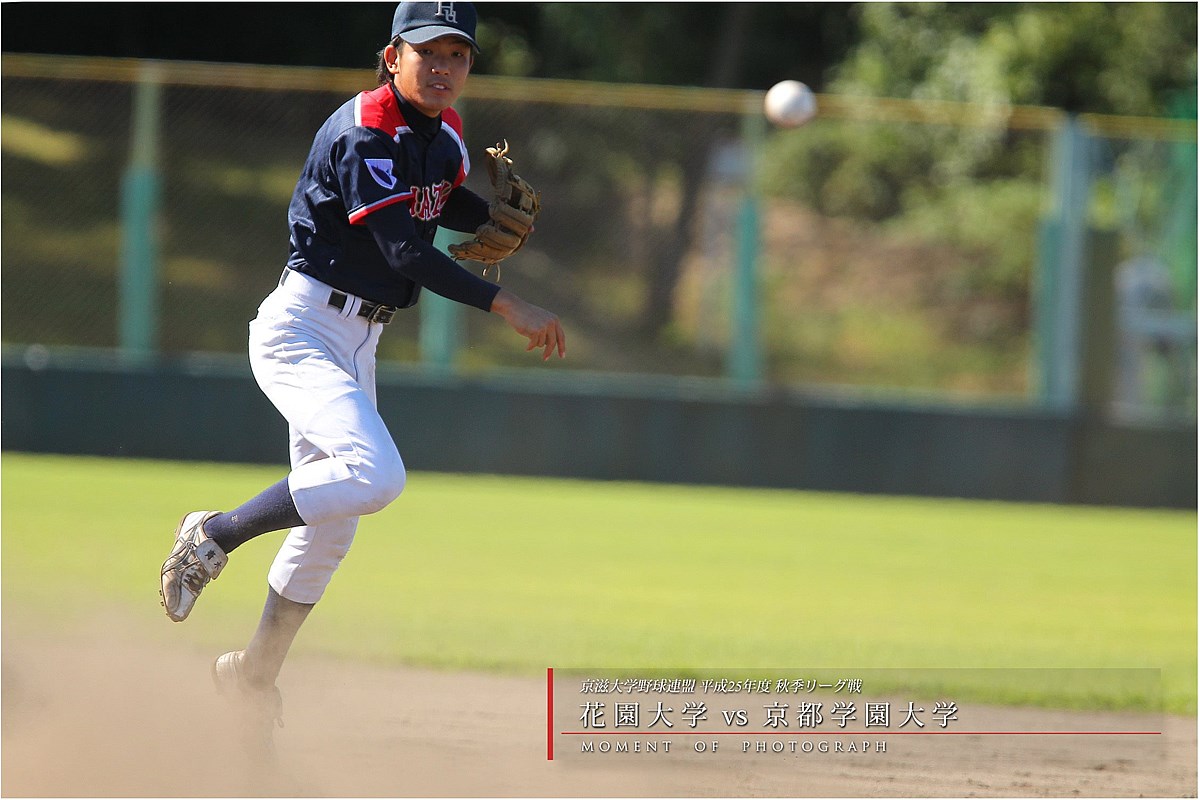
x=317 y=365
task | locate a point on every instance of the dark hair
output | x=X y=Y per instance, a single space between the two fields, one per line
x=381 y=70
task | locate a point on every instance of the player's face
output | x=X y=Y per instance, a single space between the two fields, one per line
x=433 y=74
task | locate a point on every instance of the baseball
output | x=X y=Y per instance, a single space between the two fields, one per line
x=790 y=104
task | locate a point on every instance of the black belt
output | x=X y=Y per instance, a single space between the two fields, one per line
x=374 y=312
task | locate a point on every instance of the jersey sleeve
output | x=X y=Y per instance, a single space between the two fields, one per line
x=366 y=173
x=419 y=261
x=465 y=211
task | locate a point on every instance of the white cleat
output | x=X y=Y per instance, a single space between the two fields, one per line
x=194 y=561
x=259 y=709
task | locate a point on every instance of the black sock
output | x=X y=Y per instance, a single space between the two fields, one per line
x=272 y=510
x=281 y=619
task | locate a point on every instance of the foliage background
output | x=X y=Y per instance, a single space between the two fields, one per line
x=896 y=255
x=1116 y=58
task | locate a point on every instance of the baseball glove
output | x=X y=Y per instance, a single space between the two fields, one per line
x=513 y=209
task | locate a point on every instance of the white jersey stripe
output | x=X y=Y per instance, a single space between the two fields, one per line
x=462 y=147
x=357 y=214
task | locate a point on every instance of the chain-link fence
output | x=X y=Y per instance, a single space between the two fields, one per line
x=890 y=246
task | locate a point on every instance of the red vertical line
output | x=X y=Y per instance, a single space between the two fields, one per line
x=549 y=713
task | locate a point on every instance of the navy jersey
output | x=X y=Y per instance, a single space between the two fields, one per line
x=372 y=194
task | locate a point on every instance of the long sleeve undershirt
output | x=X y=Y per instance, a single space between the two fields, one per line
x=421 y=262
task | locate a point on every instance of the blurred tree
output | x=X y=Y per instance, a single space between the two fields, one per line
x=1129 y=58
x=1117 y=58
x=709 y=45
x=662 y=43
x=968 y=186
x=1113 y=58
x=1120 y=58
x=667 y=43
x=656 y=43
x=692 y=44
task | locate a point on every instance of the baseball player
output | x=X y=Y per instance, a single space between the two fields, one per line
x=385 y=170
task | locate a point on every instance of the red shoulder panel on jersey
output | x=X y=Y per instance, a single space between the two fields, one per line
x=378 y=109
x=451 y=116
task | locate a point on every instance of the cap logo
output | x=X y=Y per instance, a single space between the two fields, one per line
x=446 y=12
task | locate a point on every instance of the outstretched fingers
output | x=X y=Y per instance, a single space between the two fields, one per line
x=540 y=327
x=550 y=337
x=560 y=341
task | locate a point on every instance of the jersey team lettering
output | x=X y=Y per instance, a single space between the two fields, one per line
x=425 y=202
x=428 y=201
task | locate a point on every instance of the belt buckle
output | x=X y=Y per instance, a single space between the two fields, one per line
x=381 y=314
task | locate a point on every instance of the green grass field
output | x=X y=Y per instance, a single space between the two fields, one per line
x=518 y=574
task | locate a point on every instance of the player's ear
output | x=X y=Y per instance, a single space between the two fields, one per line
x=391 y=58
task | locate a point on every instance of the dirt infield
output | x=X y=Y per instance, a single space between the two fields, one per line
x=119 y=714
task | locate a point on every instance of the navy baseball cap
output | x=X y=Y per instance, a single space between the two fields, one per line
x=417 y=23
